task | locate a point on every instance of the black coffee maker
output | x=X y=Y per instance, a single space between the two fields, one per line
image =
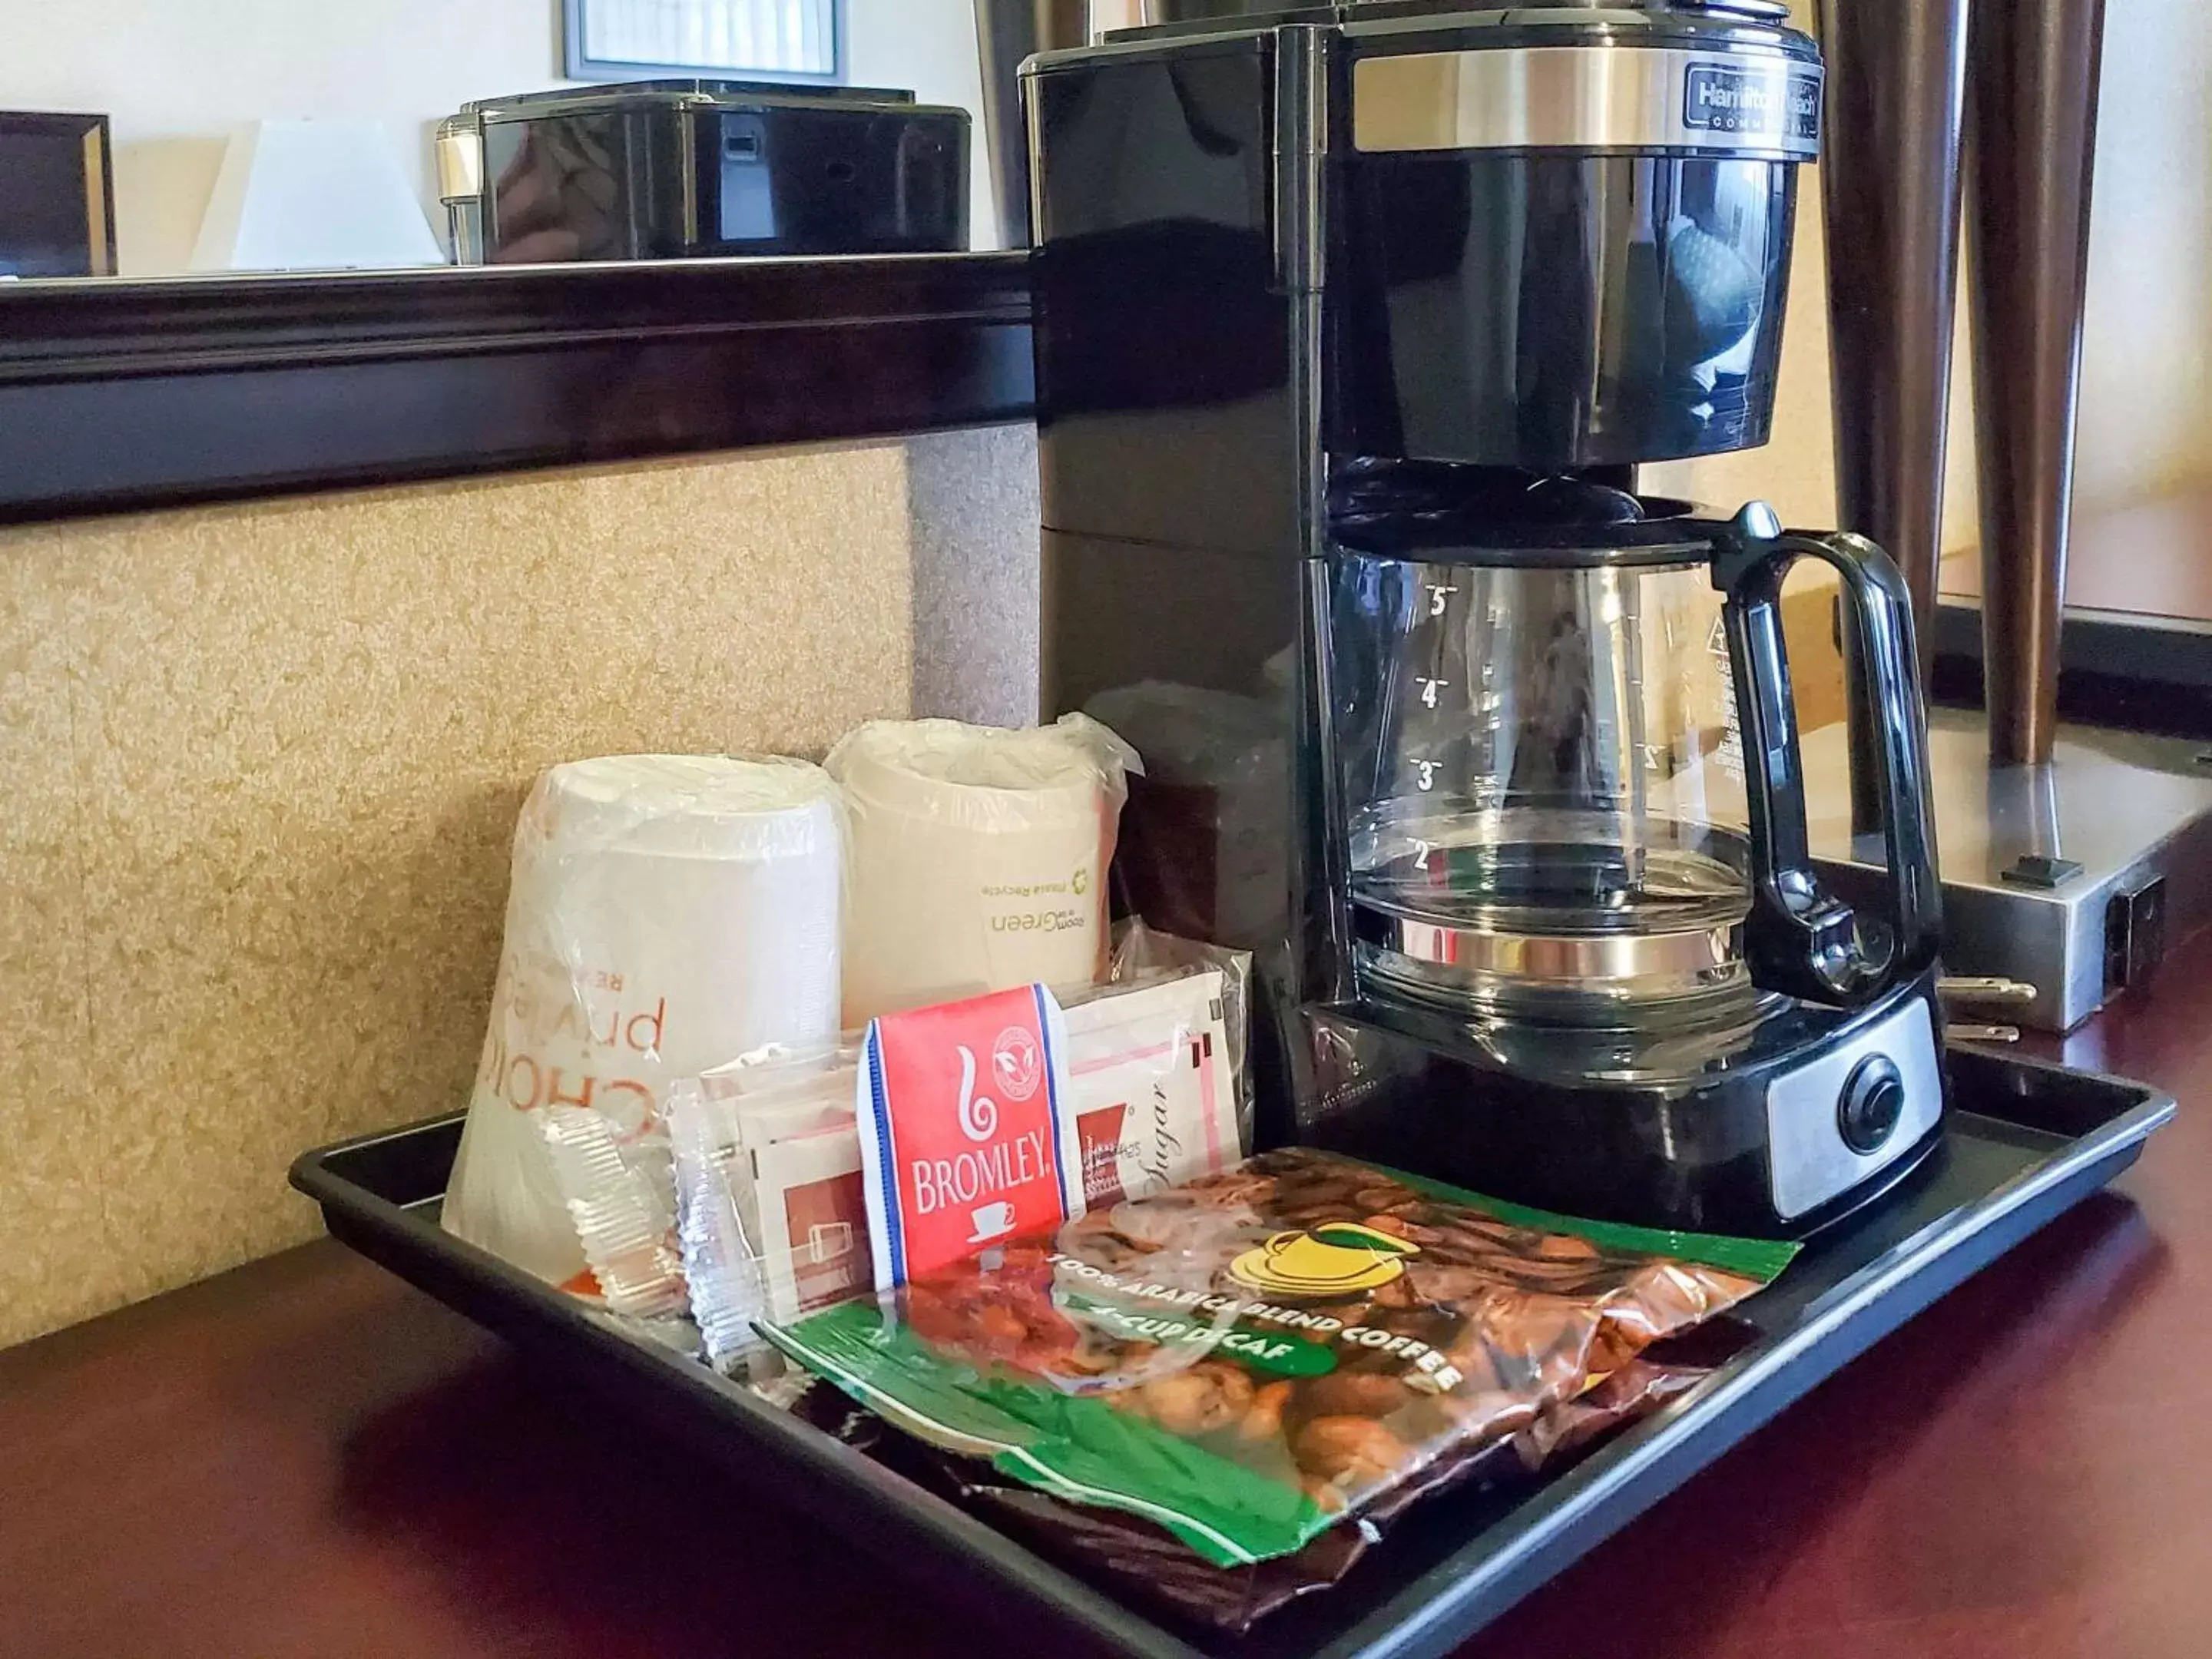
x=1354 y=322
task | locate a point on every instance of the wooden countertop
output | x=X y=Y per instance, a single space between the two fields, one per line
x=307 y=1457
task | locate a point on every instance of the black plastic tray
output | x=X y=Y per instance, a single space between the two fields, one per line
x=2026 y=1142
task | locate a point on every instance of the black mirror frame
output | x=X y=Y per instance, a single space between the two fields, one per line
x=119 y=395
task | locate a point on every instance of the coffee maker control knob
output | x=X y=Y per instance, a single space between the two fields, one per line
x=1874 y=1103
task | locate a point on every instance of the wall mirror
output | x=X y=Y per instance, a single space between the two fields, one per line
x=141 y=138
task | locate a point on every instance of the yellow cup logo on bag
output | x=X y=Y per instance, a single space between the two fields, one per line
x=1340 y=1258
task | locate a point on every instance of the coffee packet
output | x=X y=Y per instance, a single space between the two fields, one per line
x=1248 y=1358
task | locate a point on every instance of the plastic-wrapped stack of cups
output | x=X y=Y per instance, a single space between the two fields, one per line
x=668 y=914
x=979 y=858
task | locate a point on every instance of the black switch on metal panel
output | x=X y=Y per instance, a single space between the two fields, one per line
x=2039 y=870
x=2134 y=934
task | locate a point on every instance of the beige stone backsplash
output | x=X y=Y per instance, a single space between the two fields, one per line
x=262 y=763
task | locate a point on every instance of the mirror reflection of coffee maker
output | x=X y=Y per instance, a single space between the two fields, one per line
x=1354 y=322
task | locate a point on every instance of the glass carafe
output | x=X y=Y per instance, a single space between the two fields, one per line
x=1542 y=752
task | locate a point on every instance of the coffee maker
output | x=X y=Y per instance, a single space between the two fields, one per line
x=1354 y=322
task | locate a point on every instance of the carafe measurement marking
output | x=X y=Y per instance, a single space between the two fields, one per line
x=1432 y=686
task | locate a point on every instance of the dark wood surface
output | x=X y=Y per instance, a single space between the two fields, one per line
x=307 y=1457
x=118 y=395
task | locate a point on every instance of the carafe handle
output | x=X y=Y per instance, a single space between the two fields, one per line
x=1801 y=939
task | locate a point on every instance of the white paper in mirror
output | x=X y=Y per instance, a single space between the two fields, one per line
x=313 y=196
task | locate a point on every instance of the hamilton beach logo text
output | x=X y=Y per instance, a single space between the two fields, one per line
x=1756 y=103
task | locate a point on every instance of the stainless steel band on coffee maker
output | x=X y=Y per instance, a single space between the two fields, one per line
x=1596 y=96
x=1616 y=970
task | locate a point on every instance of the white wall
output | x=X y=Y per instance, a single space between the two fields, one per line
x=929 y=47
x=2146 y=387
x=177 y=76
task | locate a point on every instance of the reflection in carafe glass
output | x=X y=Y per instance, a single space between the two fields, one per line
x=1528 y=755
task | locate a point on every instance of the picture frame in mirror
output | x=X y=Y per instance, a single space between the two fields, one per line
x=56 y=195
x=798 y=40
